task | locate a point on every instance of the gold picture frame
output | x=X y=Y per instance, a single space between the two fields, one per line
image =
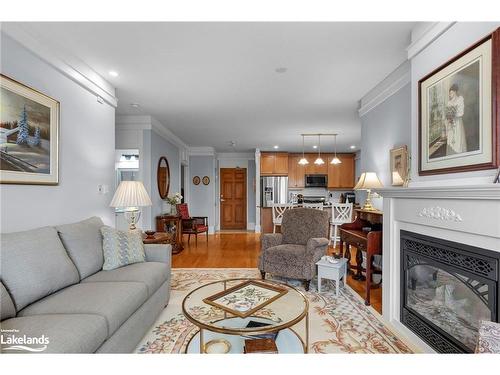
x=399 y=166
x=29 y=135
x=261 y=293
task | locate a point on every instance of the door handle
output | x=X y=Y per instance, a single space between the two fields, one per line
x=222 y=200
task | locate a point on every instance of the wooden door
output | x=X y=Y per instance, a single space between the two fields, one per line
x=267 y=163
x=281 y=163
x=233 y=198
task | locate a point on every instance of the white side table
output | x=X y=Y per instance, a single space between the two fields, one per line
x=332 y=271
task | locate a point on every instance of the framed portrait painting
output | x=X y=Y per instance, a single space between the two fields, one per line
x=399 y=166
x=29 y=135
x=459 y=111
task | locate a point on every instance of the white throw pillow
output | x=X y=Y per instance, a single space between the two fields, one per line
x=121 y=248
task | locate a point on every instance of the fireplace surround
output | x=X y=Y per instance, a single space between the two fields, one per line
x=447 y=288
x=464 y=218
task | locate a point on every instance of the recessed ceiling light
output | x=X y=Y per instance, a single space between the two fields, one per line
x=353 y=147
x=315 y=146
x=276 y=146
x=113 y=73
x=281 y=69
x=135 y=105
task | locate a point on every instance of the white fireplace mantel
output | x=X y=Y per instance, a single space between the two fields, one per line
x=464 y=214
x=489 y=191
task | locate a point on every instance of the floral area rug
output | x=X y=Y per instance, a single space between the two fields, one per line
x=340 y=324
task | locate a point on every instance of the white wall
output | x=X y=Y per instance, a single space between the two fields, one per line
x=202 y=197
x=384 y=127
x=86 y=150
x=159 y=147
x=457 y=38
x=146 y=134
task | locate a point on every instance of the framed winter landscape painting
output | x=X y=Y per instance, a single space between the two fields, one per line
x=29 y=135
x=459 y=111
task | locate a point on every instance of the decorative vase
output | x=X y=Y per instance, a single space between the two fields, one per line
x=173 y=210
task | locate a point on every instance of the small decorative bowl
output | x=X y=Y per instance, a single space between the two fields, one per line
x=150 y=233
x=219 y=346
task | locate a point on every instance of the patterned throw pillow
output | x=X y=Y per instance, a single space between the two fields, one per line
x=121 y=248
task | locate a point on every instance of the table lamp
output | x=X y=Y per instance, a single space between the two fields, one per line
x=368 y=181
x=131 y=195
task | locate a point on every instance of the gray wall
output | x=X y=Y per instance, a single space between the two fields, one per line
x=386 y=126
x=159 y=146
x=86 y=150
x=202 y=197
x=456 y=39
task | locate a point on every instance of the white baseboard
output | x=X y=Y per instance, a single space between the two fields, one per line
x=211 y=229
x=250 y=226
x=257 y=228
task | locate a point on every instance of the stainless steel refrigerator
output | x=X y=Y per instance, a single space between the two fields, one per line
x=273 y=190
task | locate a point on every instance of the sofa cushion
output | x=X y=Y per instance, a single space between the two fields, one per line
x=115 y=301
x=66 y=333
x=151 y=274
x=35 y=264
x=301 y=224
x=83 y=242
x=7 y=308
x=121 y=248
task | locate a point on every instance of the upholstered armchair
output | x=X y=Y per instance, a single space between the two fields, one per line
x=192 y=224
x=293 y=253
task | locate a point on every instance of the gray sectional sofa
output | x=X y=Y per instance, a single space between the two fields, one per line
x=52 y=284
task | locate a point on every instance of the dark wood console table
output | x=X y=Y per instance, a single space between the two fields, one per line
x=171 y=224
x=352 y=234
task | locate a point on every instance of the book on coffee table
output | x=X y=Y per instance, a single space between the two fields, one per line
x=253 y=324
x=262 y=346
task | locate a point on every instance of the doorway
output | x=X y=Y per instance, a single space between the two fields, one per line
x=233 y=198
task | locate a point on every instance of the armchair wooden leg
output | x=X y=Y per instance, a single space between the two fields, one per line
x=189 y=237
x=263 y=274
x=196 y=239
x=207 y=236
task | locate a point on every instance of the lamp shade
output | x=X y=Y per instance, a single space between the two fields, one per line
x=131 y=194
x=368 y=180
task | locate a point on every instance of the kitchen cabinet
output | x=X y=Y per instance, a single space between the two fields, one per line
x=312 y=168
x=296 y=172
x=273 y=163
x=341 y=175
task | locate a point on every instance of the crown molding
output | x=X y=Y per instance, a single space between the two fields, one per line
x=66 y=63
x=201 y=151
x=394 y=82
x=167 y=133
x=236 y=155
x=427 y=37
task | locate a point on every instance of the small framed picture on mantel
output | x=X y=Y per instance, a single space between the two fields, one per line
x=459 y=114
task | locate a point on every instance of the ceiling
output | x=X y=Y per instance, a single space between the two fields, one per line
x=213 y=83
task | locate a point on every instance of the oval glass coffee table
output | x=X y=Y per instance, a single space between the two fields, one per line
x=223 y=309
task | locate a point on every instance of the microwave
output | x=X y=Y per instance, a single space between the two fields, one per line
x=316 y=180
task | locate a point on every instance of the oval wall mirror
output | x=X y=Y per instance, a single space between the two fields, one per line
x=163 y=177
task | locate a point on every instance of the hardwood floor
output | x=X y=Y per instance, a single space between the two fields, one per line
x=241 y=250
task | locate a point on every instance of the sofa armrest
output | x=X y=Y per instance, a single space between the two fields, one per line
x=158 y=253
x=270 y=239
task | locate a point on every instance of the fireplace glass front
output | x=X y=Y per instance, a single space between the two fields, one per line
x=447 y=290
